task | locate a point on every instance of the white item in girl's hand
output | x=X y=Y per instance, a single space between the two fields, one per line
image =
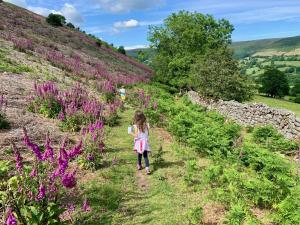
x=129 y=130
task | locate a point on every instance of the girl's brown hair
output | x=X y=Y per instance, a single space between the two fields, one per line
x=140 y=120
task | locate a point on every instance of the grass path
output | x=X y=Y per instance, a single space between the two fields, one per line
x=119 y=194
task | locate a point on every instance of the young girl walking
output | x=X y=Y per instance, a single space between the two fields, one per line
x=141 y=139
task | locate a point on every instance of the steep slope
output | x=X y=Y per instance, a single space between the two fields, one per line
x=64 y=46
x=32 y=51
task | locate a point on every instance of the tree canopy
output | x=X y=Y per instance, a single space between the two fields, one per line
x=122 y=50
x=274 y=83
x=56 y=19
x=182 y=43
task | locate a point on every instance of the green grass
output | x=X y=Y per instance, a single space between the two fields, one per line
x=278 y=103
x=122 y=195
x=9 y=65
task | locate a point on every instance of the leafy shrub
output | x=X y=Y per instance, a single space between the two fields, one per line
x=272 y=168
x=56 y=20
x=261 y=134
x=195 y=215
x=4 y=123
x=271 y=139
x=70 y=25
x=288 y=210
x=49 y=108
x=297 y=99
x=237 y=214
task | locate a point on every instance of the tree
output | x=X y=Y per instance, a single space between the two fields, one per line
x=184 y=39
x=274 y=83
x=216 y=75
x=56 y=20
x=122 y=50
x=296 y=89
x=70 y=25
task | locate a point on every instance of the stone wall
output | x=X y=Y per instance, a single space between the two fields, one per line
x=253 y=114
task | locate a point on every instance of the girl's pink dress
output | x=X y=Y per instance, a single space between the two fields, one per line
x=141 y=142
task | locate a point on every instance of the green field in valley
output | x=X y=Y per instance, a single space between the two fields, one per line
x=278 y=103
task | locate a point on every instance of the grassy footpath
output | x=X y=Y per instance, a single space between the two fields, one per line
x=119 y=194
x=278 y=103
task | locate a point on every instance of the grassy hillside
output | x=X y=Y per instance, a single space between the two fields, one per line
x=275 y=46
x=264 y=47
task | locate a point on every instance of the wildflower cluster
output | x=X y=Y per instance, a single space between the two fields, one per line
x=35 y=193
x=93 y=136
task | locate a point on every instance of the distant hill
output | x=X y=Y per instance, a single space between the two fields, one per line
x=264 y=47
x=268 y=47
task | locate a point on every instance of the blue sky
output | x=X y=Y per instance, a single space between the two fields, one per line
x=125 y=22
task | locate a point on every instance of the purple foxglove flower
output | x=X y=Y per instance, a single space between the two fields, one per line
x=71 y=207
x=155 y=105
x=68 y=180
x=76 y=150
x=84 y=131
x=49 y=152
x=63 y=159
x=11 y=219
x=86 y=207
x=61 y=116
x=35 y=148
x=101 y=146
x=42 y=192
x=19 y=159
x=33 y=173
x=90 y=157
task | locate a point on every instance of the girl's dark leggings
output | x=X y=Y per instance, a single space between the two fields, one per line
x=145 y=154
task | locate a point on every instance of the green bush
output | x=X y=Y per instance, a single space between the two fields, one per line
x=288 y=211
x=297 y=99
x=49 y=108
x=4 y=123
x=56 y=20
x=261 y=134
x=195 y=215
x=237 y=214
x=271 y=139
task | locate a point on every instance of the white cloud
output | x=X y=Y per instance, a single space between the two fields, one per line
x=21 y=3
x=128 y=5
x=68 y=11
x=71 y=14
x=126 y=24
x=136 y=47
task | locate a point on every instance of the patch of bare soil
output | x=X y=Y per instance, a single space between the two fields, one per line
x=213 y=214
x=165 y=135
x=142 y=180
x=16 y=88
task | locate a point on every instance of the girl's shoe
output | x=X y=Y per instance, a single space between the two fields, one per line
x=148 y=171
x=139 y=167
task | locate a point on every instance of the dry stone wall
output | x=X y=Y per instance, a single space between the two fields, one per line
x=253 y=114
